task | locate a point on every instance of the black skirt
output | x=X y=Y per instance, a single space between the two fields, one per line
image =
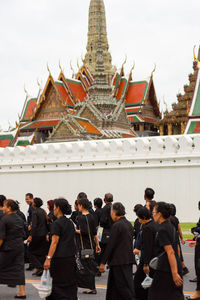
x=163 y=287
x=12 y=264
x=120 y=283
x=39 y=246
x=63 y=272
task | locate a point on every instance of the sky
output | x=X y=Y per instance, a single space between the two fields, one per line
x=34 y=32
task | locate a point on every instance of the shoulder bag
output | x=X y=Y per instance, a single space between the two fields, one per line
x=87 y=253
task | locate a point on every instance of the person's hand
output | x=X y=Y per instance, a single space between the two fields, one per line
x=192 y=244
x=136 y=251
x=98 y=249
x=182 y=241
x=146 y=269
x=47 y=264
x=29 y=228
x=29 y=239
x=177 y=279
x=102 y=268
x=47 y=238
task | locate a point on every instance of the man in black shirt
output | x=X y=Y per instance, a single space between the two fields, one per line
x=119 y=256
x=106 y=221
x=98 y=210
x=29 y=201
x=148 y=194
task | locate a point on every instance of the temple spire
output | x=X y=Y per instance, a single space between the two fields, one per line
x=96 y=27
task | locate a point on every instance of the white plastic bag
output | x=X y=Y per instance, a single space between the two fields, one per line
x=99 y=233
x=45 y=286
x=147 y=282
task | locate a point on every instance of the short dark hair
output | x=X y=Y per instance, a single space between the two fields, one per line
x=109 y=197
x=12 y=204
x=81 y=195
x=64 y=206
x=172 y=210
x=143 y=213
x=38 y=202
x=164 y=209
x=136 y=207
x=85 y=203
x=29 y=195
x=98 y=202
x=119 y=209
x=51 y=204
x=149 y=193
x=2 y=199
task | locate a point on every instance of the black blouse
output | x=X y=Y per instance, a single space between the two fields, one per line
x=119 y=250
x=64 y=228
x=11 y=229
x=167 y=235
x=86 y=228
x=39 y=223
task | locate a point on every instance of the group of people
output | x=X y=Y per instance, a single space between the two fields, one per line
x=78 y=248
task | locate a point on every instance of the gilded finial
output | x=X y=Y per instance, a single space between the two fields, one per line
x=195 y=58
x=78 y=64
x=165 y=104
x=153 y=70
x=73 y=74
x=82 y=59
x=25 y=90
x=124 y=61
x=133 y=67
x=48 y=69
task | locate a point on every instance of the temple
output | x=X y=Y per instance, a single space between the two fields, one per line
x=175 y=121
x=98 y=102
x=193 y=125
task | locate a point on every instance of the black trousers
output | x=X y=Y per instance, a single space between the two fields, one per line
x=141 y=294
x=197 y=264
x=120 y=283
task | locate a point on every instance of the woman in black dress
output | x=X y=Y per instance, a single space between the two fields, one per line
x=148 y=251
x=119 y=256
x=38 y=238
x=12 y=248
x=167 y=281
x=61 y=256
x=88 y=239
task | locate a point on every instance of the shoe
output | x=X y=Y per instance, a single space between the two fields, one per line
x=193 y=280
x=20 y=297
x=39 y=273
x=30 y=268
x=93 y=292
x=185 y=271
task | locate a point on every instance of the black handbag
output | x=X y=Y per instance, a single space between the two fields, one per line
x=87 y=253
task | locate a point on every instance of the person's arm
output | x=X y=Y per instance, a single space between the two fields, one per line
x=98 y=248
x=173 y=265
x=1 y=242
x=54 y=244
x=148 y=242
x=181 y=235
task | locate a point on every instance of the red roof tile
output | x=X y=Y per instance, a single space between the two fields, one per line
x=88 y=126
x=122 y=87
x=77 y=89
x=64 y=93
x=29 y=109
x=41 y=124
x=197 y=128
x=136 y=93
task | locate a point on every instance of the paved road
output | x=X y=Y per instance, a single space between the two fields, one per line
x=8 y=293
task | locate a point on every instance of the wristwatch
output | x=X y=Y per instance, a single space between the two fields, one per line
x=48 y=257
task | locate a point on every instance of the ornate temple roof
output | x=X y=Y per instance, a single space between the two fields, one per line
x=193 y=125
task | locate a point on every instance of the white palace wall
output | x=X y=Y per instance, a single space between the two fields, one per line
x=124 y=167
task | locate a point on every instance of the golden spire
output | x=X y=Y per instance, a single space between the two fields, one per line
x=154 y=69
x=195 y=58
x=73 y=72
x=48 y=69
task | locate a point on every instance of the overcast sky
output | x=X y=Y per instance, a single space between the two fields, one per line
x=34 y=32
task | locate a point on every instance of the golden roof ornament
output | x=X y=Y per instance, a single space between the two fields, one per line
x=73 y=74
x=195 y=58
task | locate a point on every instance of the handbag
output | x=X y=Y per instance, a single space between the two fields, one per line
x=154 y=261
x=87 y=253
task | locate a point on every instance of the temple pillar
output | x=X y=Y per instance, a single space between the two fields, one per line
x=141 y=127
x=169 y=129
x=161 y=130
